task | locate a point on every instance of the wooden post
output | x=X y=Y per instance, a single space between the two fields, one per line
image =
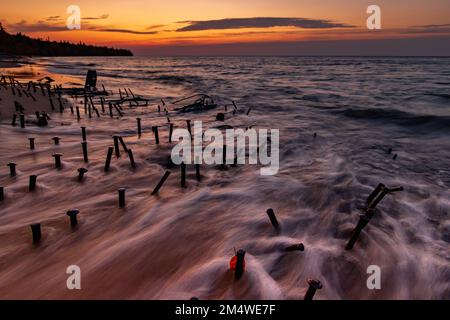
x=313 y=286
x=161 y=182
x=130 y=155
x=108 y=158
x=139 y=126
x=273 y=218
x=36 y=231
x=121 y=197
x=12 y=169
x=32 y=183
x=239 y=271
x=116 y=146
x=73 y=217
x=85 y=151
x=183 y=175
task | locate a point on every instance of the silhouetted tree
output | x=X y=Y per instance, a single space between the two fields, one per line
x=21 y=44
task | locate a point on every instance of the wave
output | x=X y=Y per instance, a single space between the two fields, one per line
x=399 y=117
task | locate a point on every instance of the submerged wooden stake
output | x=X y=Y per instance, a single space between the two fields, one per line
x=116 y=146
x=85 y=151
x=161 y=182
x=314 y=285
x=32 y=183
x=121 y=197
x=81 y=172
x=155 y=131
x=183 y=175
x=130 y=155
x=12 y=169
x=139 y=126
x=273 y=218
x=36 y=231
x=83 y=133
x=363 y=221
x=108 y=158
x=73 y=217
x=31 y=143
x=57 y=157
x=240 y=260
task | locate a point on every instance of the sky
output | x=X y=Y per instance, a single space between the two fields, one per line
x=240 y=27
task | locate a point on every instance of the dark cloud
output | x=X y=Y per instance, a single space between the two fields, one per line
x=429 y=29
x=102 y=17
x=121 y=30
x=41 y=26
x=53 y=18
x=262 y=22
x=432 y=26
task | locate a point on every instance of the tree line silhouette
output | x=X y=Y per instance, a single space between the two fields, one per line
x=20 y=44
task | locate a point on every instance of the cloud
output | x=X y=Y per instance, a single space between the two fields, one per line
x=260 y=22
x=53 y=18
x=42 y=26
x=102 y=17
x=432 y=26
x=120 y=30
x=429 y=29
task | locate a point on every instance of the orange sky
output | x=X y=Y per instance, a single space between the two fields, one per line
x=147 y=22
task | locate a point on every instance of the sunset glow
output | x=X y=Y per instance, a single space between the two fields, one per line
x=146 y=24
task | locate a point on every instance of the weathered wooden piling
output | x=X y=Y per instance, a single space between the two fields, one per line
x=36 y=232
x=102 y=102
x=83 y=133
x=139 y=126
x=14 y=119
x=131 y=157
x=240 y=264
x=161 y=182
x=57 y=157
x=2 y=193
x=116 y=146
x=183 y=174
x=394 y=157
x=121 y=197
x=31 y=143
x=110 y=109
x=108 y=158
x=248 y=111
x=78 y=113
x=363 y=221
x=22 y=120
x=188 y=124
x=32 y=182
x=314 y=285
x=56 y=140
x=155 y=132
x=12 y=169
x=73 y=217
x=85 y=151
x=170 y=132
x=122 y=143
x=81 y=172
x=374 y=193
x=273 y=218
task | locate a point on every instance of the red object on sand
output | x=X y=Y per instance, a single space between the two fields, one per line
x=233 y=263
